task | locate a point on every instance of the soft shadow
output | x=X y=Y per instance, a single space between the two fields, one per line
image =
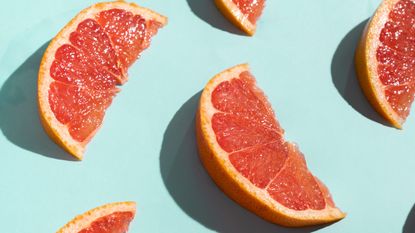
x=344 y=75
x=19 y=116
x=409 y=226
x=207 y=11
x=192 y=188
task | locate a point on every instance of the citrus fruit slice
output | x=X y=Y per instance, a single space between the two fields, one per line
x=109 y=218
x=385 y=60
x=83 y=64
x=242 y=13
x=242 y=146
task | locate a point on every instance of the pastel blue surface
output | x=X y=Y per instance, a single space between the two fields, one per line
x=302 y=56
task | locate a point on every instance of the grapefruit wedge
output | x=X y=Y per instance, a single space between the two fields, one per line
x=83 y=65
x=385 y=60
x=242 y=147
x=242 y=13
x=109 y=218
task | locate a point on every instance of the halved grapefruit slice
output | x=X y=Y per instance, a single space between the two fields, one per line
x=109 y=218
x=242 y=146
x=242 y=13
x=83 y=64
x=385 y=60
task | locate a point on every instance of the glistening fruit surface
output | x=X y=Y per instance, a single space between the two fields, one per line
x=246 y=128
x=87 y=69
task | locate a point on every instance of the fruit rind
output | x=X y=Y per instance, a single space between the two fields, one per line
x=235 y=16
x=84 y=220
x=366 y=67
x=232 y=183
x=56 y=130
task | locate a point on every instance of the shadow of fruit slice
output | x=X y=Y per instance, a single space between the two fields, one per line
x=242 y=146
x=109 y=218
x=83 y=64
x=242 y=13
x=385 y=60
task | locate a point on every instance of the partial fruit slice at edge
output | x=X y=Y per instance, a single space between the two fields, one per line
x=385 y=60
x=109 y=218
x=242 y=146
x=83 y=64
x=242 y=13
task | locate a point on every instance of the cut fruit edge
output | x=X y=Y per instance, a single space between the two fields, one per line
x=84 y=220
x=55 y=129
x=233 y=183
x=366 y=64
x=231 y=11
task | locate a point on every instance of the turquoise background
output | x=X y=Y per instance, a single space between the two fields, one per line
x=302 y=56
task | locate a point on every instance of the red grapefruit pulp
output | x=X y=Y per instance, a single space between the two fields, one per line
x=242 y=13
x=245 y=127
x=117 y=222
x=109 y=218
x=396 y=57
x=252 y=9
x=385 y=60
x=243 y=148
x=83 y=65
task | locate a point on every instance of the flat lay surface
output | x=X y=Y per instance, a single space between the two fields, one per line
x=302 y=57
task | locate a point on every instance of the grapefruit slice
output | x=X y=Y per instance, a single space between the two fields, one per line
x=109 y=218
x=242 y=13
x=242 y=147
x=385 y=60
x=83 y=64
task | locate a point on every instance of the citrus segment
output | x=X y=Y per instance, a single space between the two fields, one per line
x=400 y=98
x=117 y=222
x=250 y=128
x=242 y=13
x=261 y=163
x=93 y=41
x=129 y=33
x=242 y=146
x=398 y=35
x=83 y=64
x=294 y=186
x=109 y=218
x=72 y=67
x=244 y=119
x=385 y=60
x=326 y=193
x=82 y=110
x=251 y=8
